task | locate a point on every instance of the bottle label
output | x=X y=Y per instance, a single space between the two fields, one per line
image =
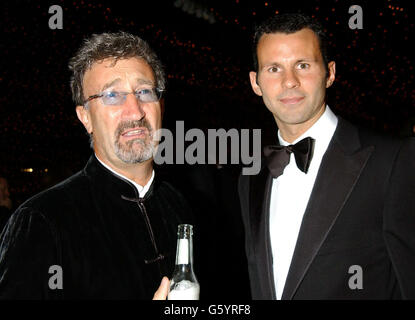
x=183 y=247
x=185 y=290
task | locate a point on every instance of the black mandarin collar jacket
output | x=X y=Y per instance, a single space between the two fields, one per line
x=109 y=243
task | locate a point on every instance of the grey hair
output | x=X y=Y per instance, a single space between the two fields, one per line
x=119 y=45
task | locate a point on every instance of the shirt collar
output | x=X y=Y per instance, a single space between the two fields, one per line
x=142 y=190
x=322 y=131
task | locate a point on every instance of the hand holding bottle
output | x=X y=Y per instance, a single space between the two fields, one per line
x=184 y=285
x=163 y=290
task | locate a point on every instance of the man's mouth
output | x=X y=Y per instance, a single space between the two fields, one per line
x=291 y=100
x=134 y=132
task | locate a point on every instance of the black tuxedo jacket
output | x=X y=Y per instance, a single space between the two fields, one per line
x=361 y=212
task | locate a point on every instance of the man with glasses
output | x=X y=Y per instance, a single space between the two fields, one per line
x=109 y=231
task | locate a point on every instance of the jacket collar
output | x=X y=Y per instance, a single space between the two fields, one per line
x=102 y=178
x=343 y=162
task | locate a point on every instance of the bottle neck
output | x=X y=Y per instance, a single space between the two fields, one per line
x=184 y=255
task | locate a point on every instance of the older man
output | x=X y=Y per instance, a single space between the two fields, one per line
x=109 y=231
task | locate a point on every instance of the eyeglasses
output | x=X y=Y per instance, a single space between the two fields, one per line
x=116 y=98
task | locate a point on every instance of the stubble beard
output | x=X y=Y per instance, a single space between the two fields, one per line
x=135 y=150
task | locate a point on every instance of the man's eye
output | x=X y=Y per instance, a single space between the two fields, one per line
x=303 y=66
x=273 y=69
x=144 y=91
x=112 y=94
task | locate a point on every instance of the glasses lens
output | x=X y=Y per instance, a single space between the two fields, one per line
x=148 y=95
x=112 y=98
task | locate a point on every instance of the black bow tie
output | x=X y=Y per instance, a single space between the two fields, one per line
x=277 y=157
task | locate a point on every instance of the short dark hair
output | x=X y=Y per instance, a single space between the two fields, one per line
x=119 y=45
x=289 y=23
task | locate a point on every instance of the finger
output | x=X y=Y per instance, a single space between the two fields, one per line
x=163 y=290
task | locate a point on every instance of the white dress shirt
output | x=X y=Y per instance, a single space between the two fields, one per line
x=289 y=197
x=141 y=190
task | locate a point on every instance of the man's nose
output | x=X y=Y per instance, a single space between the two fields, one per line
x=134 y=107
x=291 y=80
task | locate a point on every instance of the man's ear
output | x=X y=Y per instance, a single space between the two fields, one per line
x=84 y=116
x=254 y=84
x=332 y=73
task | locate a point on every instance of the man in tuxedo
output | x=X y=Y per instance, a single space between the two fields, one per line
x=331 y=215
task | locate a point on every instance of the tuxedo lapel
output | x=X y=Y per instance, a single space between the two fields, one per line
x=339 y=171
x=260 y=191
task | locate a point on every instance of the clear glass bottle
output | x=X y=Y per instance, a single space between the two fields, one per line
x=184 y=285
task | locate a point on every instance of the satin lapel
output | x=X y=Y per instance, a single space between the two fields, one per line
x=260 y=191
x=339 y=171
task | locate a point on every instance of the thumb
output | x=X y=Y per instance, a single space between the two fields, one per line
x=163 y=290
